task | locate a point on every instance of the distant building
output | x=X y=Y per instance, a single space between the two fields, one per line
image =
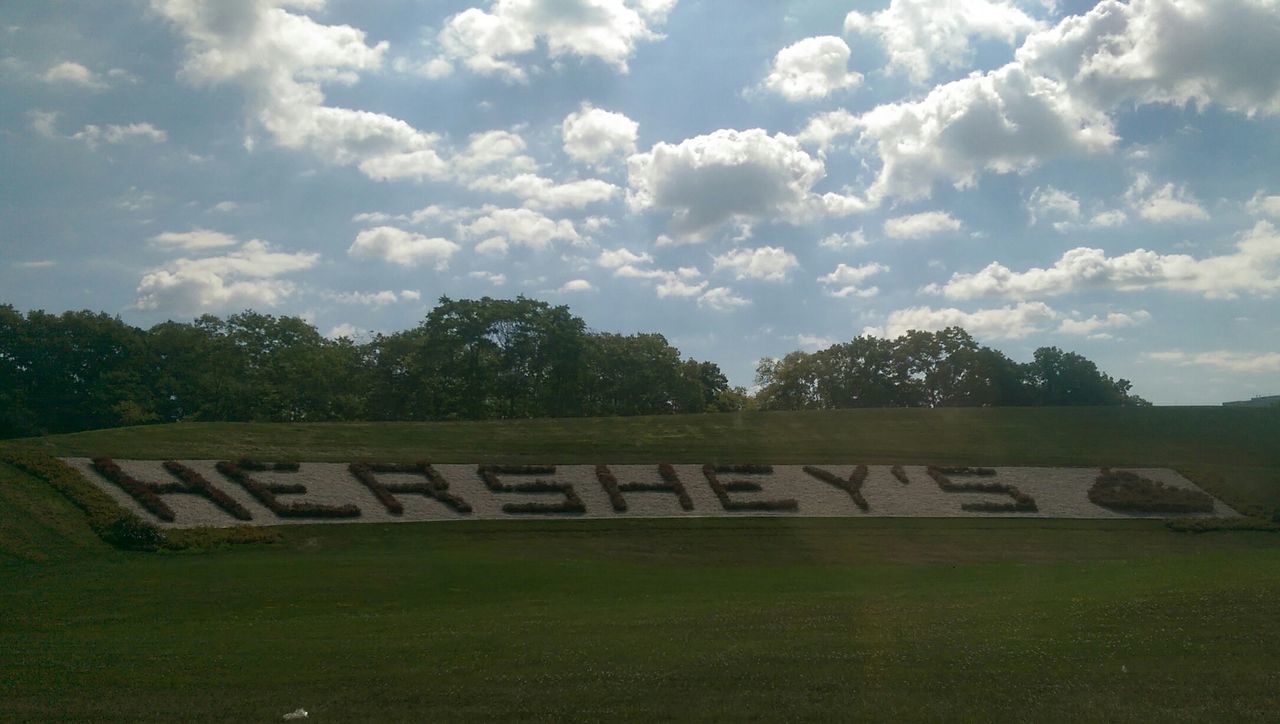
x=1268 y=401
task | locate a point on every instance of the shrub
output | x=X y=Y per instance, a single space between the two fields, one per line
x=1022 y=503
x=571 y=504
x=147 y=494
x=610 y=484
x=266 y=493
x=1124 y=491
x=435 y=487
x=195 y=483
x=965 y=470
x=203 y=538
x=900 y=474
x=722 y=491
x=852 y=486
x=671 y=482
x=113 y=524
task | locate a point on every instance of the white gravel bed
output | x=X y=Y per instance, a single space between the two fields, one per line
x=1059 y=493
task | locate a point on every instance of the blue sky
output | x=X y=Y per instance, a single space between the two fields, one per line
x=745 y=179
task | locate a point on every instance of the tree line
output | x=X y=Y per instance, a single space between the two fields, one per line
x=473 y=359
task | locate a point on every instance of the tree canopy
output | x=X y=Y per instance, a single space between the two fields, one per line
x=475 y=359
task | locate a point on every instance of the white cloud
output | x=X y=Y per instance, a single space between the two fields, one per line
x=1165 y=204
x=282 y=58
x=825 y=127
x=576 y=285
x=770 y=263
x=921 y=35
x=677 y=283
x=847 y=240
x=490 y=42
x=814 y=342
x=375 y=299
x=729 y=176
x=44 y=123
x=921 y=226
x=404 y=248
x=722 y=299
x=999 y=323
x=193 y=240
x=614 y=258
x=849 y=280
x=1048 y=201
x=1095 y=324
x=1225 y=360
x=1166 y=51
x=520 y=226
x=494 y=278
x=595 y=137
x=493 y=151
x=245 y=277
x=1253 y=268
x=37 y=264
x=811 y=68
x=543 y=193
x=1108 y=219
x=1004 y=121
x=70 y=73
x=1262 y=205
x=346 y=329
x=225 y=207
x=92 y=135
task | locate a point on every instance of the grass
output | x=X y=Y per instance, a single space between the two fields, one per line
x=690 y=619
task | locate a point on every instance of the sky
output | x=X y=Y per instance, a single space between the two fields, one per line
x=747 y=179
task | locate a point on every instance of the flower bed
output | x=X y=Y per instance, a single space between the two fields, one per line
x=722 y=489
x=435 y=487
x=147 y=494
x=571 y=503
x=1022 y=503
x=1129 y=492
x=266 y=493
x=900 y=474
x=852 y=486
x=195 y=483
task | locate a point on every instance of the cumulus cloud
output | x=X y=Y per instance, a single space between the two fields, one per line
x=246 y=277
x=375 y=299
x=921 y=226
x=770 y=263
x=1004 y=121
x=71 y=73
x=344 y=330
x=848 y=240
x=193 y=240
x=576 y=285
x=497 y=279
x=1225 y=360
x=614 y=258
x=1165 y=51
x=811 y=68
x=596 y=137
x=722 y=299
x=92 y=135
x=730 y=176
x=679 y=283
x=281 y=58
x=1011 y=322
x=526 y=227
x=1049 y=202
x=400 y=247
x=1253 y=268
x=847 y=280
x=542 y=193
x=1096 y=326
x=824 y=128
x=1264 y=205
x=491 y=42
x=1165 y=204
x=921 y=35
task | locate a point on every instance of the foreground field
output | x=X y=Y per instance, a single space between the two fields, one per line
x=727 y=619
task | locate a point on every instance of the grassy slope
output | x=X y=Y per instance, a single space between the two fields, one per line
x=766 y=619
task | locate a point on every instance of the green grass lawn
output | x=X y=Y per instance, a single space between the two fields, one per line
x=710 y=619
